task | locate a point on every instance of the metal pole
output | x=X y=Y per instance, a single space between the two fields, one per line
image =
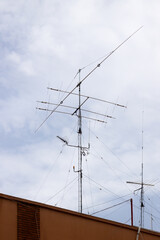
x=142 y=201
x=79 y=150
x=151 y=222
x=142 y=183
x=131 y=200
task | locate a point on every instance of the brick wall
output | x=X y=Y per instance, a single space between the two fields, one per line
x=28 y=222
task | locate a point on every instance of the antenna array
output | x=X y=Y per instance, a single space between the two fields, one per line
x=78 y=112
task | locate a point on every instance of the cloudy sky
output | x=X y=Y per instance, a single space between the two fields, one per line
x=43 y=43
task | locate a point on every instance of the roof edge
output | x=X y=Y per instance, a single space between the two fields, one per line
x=82 y=215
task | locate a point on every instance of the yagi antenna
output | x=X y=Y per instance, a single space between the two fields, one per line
x=81 y=81
x=78 y=112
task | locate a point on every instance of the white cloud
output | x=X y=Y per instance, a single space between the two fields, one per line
x=26 y=66
x=14 y=57
x=43 y=42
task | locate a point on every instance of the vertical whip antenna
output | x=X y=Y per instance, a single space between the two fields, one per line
x=142 y=182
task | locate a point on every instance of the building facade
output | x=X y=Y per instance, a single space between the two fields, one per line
x=21 y=219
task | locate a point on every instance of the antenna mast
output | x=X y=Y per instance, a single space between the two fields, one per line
x=79 y=149
x=142 y=184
